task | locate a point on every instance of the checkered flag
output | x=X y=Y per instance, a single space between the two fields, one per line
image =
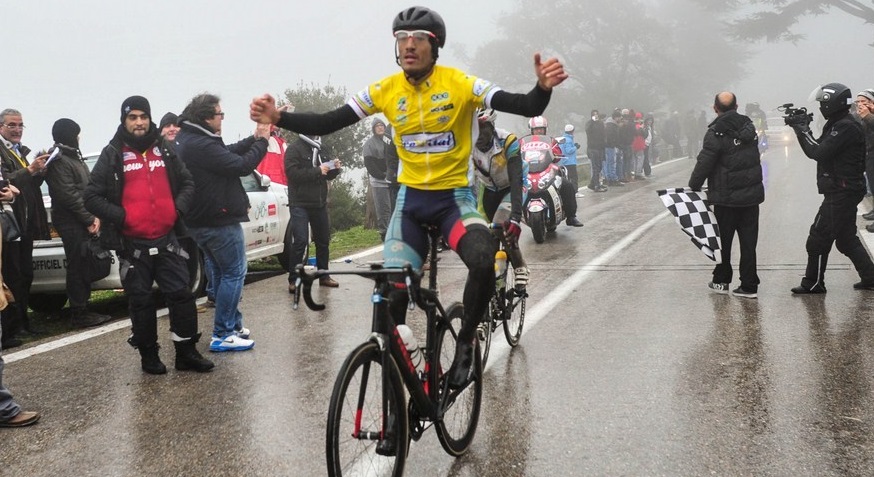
x=696 y=220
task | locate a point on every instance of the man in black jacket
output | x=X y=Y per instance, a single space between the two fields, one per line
x=731 y=164
x=376 y=161
x=840 y=165
x=219 y=207
x=139 y=190
x=596 y=145
x=308 y=175
x=67 y=178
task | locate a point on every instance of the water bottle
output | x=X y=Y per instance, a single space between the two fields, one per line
x=500 y=269
x=412 y=345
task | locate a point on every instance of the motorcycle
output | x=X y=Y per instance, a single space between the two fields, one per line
x=543 y=210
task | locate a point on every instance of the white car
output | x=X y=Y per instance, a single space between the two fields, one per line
x=266 y=234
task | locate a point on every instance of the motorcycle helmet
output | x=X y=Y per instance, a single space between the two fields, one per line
x=537 y=122
x=422 y=18
x=833 y=98
x=487 y=115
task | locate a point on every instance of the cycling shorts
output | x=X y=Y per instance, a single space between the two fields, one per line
x=452 y=211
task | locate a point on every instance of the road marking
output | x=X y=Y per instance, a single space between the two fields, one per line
x=546 y=304
x=68 y=340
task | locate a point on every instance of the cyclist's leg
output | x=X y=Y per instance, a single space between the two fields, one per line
x=405 y=242
x=514 y=253
x=468 y=234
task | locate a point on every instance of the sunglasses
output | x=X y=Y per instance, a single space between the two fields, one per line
x=418 y=35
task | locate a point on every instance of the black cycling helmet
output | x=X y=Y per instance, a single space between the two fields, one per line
x=421 y=18
x=833 y=98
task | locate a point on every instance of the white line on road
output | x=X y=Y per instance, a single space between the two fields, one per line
x=546 y=304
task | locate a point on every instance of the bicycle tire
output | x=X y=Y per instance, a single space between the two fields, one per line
x=348 y=455
x=516 y=316
x=458 y=426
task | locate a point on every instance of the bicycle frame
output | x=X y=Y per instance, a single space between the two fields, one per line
x=423 y=393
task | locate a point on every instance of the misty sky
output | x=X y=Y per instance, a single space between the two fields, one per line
x=81 y=59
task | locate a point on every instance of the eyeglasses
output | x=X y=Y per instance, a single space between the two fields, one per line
x=221 y=114
x=418 y=35
x=14 y=125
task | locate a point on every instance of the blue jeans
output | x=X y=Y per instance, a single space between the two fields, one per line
x=226 y=247
x=610 y=164
x=8 y=407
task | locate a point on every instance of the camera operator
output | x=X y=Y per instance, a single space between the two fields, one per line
x=840 y=163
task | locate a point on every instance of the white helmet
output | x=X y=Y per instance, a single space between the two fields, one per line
x=569 y=128
x=537 y=122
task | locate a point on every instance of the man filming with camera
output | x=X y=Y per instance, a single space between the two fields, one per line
x=839 y=153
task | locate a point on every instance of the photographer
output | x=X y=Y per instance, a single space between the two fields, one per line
x=840 y=163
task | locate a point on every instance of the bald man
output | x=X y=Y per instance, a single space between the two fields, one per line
x=730 y=163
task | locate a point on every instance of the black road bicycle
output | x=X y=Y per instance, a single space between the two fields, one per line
x=507 y=305
x=370 y=422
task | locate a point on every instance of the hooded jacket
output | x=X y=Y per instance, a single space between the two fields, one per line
x=219 y=197
x=307 y=187
x=730 y=162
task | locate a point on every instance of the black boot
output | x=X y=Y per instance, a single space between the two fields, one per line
x=864 y=266
x=82 y=318
x=151 y=362
x=188 y=358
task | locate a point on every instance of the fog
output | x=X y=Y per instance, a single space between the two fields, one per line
x=81 y=59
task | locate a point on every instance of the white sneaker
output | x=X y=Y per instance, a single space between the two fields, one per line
x=521 y=280
x=580 y=195
x=243 y=333
x=231 y=343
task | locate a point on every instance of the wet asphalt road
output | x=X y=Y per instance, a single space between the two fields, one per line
x=628 y=366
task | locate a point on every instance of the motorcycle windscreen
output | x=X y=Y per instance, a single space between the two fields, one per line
x=538 y=161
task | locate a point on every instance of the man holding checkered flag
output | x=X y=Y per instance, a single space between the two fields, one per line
x=730 y=163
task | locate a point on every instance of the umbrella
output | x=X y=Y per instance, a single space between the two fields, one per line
x=696 y=220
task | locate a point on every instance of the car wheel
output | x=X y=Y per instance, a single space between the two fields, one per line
x=47 y=303
x=196 y=270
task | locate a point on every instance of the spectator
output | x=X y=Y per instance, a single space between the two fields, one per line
x=627 y=132
x=596 y=147
x=219 y=207
x=308 y=174
x=731 y=165
x=569 y=157
x=376 y=162
x=273 y=164
x=67 y=177
x=169 y=127
x=638 y=145
x=32 y=219
x=11 y=414
x=612 y=156
x=865 y=108
x=650 y=155
x=140 y=190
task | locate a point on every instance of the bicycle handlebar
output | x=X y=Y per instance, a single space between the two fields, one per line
x=306 y=275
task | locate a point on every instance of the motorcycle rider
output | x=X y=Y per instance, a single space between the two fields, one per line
x=504 y=176
x=538 y=125
x=840 y=163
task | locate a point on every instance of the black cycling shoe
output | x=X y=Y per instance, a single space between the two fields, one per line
x=389 y=445
x=459 y=372
x=814 y=290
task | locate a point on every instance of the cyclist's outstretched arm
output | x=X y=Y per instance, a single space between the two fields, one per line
x=263 y=110
x=550 y=73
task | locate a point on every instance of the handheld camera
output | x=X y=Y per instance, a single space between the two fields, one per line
x=795 y=116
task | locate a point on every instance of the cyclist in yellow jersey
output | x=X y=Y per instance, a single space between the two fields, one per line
x=432 y=110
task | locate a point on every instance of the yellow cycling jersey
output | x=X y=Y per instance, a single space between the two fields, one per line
x=434 y=123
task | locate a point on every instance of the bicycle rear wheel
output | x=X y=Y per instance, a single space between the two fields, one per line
x=515 y=302
x=462 y=407
x=355 y=417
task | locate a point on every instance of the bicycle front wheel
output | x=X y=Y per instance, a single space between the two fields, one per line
x=515 y=303
x=462 y=407
x=357 y=443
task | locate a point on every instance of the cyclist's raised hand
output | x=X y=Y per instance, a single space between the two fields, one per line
x=550 y=73
x=263 y=110
x=512 y=231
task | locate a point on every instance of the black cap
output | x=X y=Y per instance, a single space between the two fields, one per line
x=135 y=103
x=65 y=131
x=168 y=119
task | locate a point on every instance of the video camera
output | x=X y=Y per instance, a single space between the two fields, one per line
x=795 y=116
